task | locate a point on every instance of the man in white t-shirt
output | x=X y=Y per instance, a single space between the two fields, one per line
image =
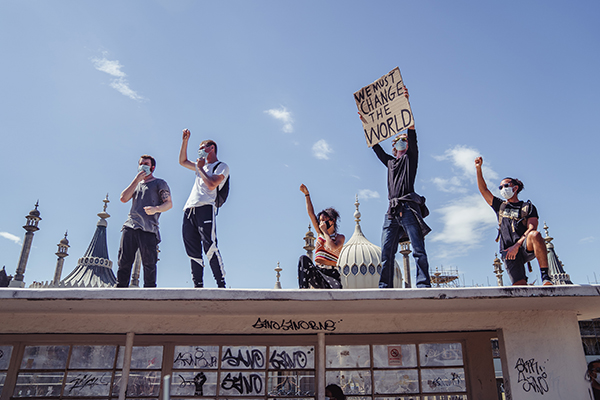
x=199 y=230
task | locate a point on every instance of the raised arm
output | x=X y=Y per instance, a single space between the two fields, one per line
x=485 y=192
x=183 y=160
x=310 y=210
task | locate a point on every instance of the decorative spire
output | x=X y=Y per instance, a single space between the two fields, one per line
x=278 y=269
x=104 y=215
x=94 y=269
x=357 y=213
x=555 y=266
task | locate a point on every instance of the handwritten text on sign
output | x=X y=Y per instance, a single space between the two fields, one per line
x=383 y=108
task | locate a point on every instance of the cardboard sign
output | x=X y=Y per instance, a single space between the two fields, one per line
x=384 y=110
x=394 y=355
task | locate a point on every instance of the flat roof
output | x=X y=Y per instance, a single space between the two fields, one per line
x=584 y=300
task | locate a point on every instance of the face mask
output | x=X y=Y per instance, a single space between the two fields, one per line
x=202 y=153
x=328 y=224
x=400 y=145
x=597 y=378
x=144 y=168
x=507 y=192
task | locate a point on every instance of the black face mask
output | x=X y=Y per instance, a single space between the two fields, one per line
x=328 y=224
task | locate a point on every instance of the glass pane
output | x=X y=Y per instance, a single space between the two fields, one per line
x=242 y=383
x=446 y=397
x=395 y=356
x=351 y=382
x=5 y=352
x=93 y=357
x=442 y=354
x=194 y=384
x=45 y=357
x=89 y=383
x=291 y=383
x=141 y=383
x=196 y=357
x=243 y=357
x=348 y=357
x=142 y=357
x=443 y=380
x=2 y=379
x=39 y=384
x=292 y=357
x=396 y=381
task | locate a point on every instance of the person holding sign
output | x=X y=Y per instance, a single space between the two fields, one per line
x=199 y=230
x=322 y=274
x=404 y=217
x=520 y=241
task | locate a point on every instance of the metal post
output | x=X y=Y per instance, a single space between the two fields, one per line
x=126 y=365
x=321 y=366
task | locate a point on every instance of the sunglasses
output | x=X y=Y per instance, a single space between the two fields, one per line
x=504 y=186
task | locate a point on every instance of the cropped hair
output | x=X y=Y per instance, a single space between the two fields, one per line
x=209 y=143
x=152 y=160
x=516 y=182
x=332 y=214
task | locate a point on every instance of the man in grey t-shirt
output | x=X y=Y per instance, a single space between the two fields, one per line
x=151 y=197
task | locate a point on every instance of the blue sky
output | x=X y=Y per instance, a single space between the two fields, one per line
x=90 y=86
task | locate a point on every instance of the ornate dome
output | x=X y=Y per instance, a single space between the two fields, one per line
x=360 y=261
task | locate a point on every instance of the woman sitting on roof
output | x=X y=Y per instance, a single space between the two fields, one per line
x=322 y=274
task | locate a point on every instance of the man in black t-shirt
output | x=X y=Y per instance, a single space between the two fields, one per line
x=520 y=242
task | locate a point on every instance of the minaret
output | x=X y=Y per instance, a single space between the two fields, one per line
x=309 y=239
x=31 y=226
x=63 y=247
x=94 y=269
x=405 y=251
x=555 y=266
x=498 y=270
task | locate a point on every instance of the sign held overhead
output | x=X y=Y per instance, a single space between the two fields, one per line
x=384 y=108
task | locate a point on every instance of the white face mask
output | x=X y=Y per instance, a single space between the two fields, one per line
x=400 y=145
x=597 y=378
x=507 y=192
x=202 y=153
x=145 y=168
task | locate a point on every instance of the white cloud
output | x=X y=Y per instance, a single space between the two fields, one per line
x=119 y=83
x=589 y=239
x=366 y=194
x=452 y=185
x=11 y=237
x=465 y=220
x=321 y=150
x=284 y=116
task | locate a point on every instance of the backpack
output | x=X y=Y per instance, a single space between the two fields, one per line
x=222 y=190
x=525 y=211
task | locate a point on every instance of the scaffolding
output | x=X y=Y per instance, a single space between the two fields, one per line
x=445 y=277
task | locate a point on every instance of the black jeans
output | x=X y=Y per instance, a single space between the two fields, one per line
x=131 y=241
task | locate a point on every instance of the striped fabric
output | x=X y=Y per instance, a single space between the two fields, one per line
x=322 y=255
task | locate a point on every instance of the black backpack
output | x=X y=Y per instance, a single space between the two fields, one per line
x=222 y=189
